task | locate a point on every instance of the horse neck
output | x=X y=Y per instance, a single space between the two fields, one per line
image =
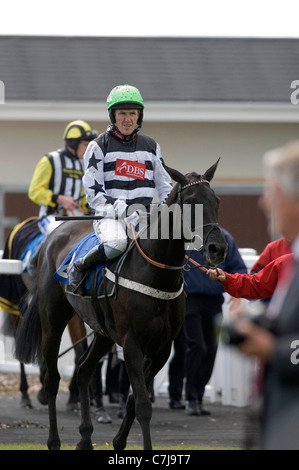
x=164 y=247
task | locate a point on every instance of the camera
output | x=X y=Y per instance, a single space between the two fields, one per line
x=254 y=312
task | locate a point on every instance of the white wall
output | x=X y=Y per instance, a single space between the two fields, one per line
x=185 y=146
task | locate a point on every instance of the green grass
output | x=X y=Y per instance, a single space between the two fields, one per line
x=106 y=447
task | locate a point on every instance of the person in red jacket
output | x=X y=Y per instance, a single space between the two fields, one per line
x=253 y=286
x=273 y=250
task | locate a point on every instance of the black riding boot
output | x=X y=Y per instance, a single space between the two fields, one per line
x=79 y=268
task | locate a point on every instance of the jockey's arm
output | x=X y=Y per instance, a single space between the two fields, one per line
x=38 y=192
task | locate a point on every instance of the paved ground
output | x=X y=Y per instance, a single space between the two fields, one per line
x=226 y=426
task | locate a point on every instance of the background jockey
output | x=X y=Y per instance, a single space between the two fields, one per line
x=56 y=184
x=123 y=168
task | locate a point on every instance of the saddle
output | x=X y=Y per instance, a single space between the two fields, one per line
x=103 y=280
x=95 y=283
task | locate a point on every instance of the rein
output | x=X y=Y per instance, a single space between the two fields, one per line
x=162 y=265
x=151 y=261
x=197 y=265
x=166 y=266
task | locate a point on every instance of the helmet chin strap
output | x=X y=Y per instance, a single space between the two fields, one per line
x=72 y=150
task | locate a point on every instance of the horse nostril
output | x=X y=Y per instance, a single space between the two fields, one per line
x=216 y=252
x=213 y=249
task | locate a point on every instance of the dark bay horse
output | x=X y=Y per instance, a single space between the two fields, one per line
x=144 y=321
x=13 y=291
x=78 y=336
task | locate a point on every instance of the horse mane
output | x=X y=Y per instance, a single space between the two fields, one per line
x=172 y=195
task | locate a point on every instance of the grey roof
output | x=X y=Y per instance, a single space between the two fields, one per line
x=167 y=69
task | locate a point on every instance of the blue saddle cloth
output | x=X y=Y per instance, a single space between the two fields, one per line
x=80 y=250
x=31 y=249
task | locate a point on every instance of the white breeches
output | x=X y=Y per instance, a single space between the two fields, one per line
x=112 y=234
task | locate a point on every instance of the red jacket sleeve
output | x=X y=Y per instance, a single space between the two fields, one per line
x=256 y=286
x=272 y=251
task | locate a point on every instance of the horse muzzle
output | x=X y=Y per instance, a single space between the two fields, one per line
x=214 y=252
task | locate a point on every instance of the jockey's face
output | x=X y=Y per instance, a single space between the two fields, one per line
x=126 y=120
x=82 y=149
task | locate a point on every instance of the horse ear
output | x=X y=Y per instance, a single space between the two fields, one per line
x=176 y=175
x=209 y=174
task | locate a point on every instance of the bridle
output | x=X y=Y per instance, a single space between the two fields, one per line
x=213 y=225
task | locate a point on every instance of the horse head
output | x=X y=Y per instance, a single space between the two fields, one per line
x=194 y=190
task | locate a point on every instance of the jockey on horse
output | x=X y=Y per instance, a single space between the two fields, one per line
x=123 y=168
x=56 y=184
x=57 y=187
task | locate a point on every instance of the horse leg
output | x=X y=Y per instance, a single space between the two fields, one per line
x=41 y=396
x=154 y=364
x=54 y=318
x=77 y=332
x=139 y=403
x=99 y=347
x=143 y=407
x=51 y=343
x=25 y=400
x=120 y=440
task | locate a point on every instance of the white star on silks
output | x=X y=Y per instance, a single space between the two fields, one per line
x=97 y=187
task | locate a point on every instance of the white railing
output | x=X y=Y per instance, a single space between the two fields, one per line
x=230 y=381
x=229 y=384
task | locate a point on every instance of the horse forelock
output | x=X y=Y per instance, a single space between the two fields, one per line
x=193 y=176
